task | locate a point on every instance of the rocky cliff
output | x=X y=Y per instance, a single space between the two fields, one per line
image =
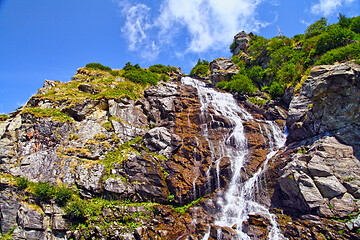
x=100 y=157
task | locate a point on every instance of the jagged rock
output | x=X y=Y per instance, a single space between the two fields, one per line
x=88 y=89
x=90 y=177
x=318 y=167
x=23 y=234
x=342 y=205
x=327 y=101
x=222 y=69
x=118 y=186
x=81 y=110
x=329 y=186
x=147 y=177
x=30 y=219
x=8 y=211
x=128 y=111
x=241 y=40
x=162 y=141
x=48 y=84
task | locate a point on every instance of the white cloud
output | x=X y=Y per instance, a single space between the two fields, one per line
x=209 y=24
x=328 y=7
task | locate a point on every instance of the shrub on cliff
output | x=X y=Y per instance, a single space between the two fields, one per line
x=239 y=83
x=316 y=28
x=98 y=66
x=201 y=69
x=159 y=68
x=139 y=75
x=335 y=36
x=346 y=53
x=43 y=191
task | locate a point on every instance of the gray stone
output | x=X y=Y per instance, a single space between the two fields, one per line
x=328 y=101
x=343 y=205
x=318 y=167
x=128 y=112
x=222 y=69
x=310 y=192
x=161 y=140
x=241 y=40
x=59 y=223
x=8 y=208
x=26 y=234
x=329 y=186
x=90 y=177
x=30 y=219
x=116 y=186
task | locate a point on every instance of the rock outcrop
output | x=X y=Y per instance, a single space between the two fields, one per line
x=222 y=69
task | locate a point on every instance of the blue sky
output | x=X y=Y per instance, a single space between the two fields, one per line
x=42 y=39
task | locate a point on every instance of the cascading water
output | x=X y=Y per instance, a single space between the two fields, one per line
x=239 y=199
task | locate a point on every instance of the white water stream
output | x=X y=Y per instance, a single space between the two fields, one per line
x=240 y=197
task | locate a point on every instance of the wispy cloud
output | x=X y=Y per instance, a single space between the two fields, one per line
x=209 y=24
x=328 y=7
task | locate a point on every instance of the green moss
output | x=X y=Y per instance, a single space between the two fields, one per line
x=8 y=236
x=257 y=101
x=118 y=156
x=54 y=114
x=108 y=126
x=184 y=209
x=22 y=182
x=349 y=179
x=74 y=137
x=100 y=136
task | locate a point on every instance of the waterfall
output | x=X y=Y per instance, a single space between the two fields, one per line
x=239 y=199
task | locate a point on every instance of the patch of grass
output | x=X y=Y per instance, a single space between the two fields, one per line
x=44 y=191
x=108 y=126
x=22 y=183
x=3 y=117
x=257 y=101
x=349 y=179
x=72 y=137
x=119 y=156
x=98 y=66
x=100 y=136
x=9 y=235
x=54 y=114
x=184 y=209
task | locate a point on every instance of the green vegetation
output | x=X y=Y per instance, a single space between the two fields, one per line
x=120 y=155
x=44 y=191
x=239 y=83
x=9 y=235
x=201 y=69
x=282 y=62
x=3 y=117
x=108 y=126
x=98 y=66
x=55 y=114
x=159 y=68
x=22 y=183
x=184 y=208
x=139 y=75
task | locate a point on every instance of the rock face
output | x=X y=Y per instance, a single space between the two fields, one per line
x=222 y=69
x=327 y=102
x=241 y=41
x=318 y=173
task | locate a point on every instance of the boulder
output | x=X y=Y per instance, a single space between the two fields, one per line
x=222 y=69
x=343 y=205
x=329 y=186
x=162 y=141
x=30 y=219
